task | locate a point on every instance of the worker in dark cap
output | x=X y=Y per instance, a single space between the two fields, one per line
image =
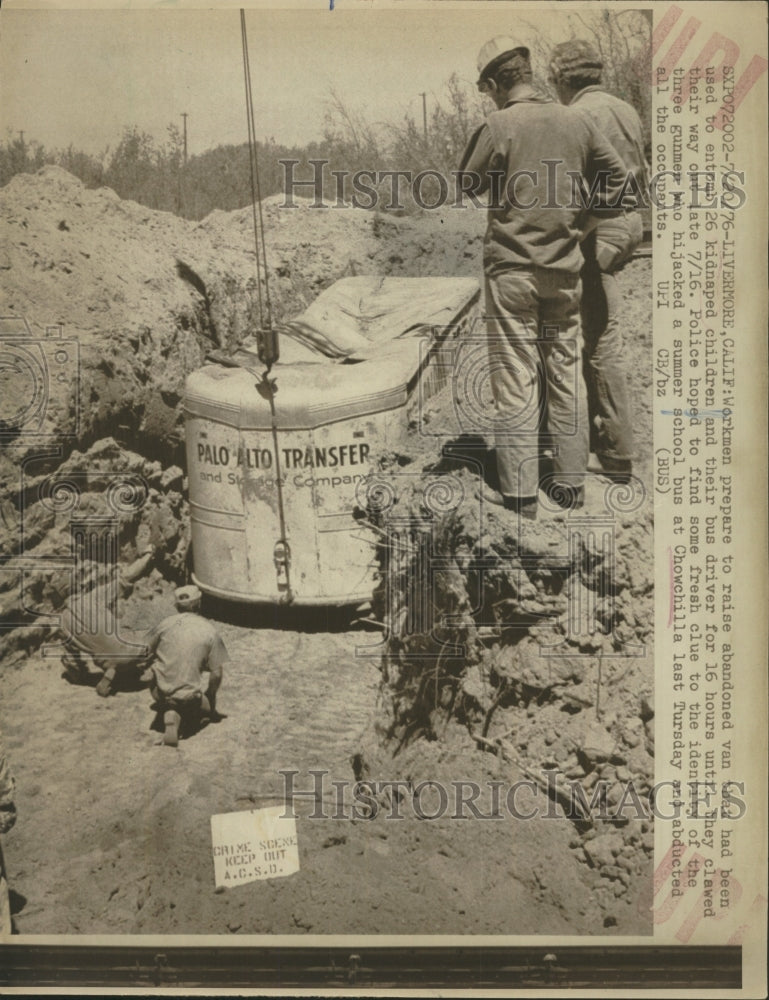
x=527 y=155
x=188 y=656
x=576 y=69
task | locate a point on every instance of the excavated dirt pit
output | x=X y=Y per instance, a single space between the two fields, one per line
x=113 y=835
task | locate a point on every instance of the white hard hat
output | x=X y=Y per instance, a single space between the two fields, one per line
x=495 y=51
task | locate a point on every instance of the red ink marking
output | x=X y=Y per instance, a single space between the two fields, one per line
x=716 y=43
x=664 y=912
x=662 y=30
x=757 y=910
x=677 y=49
x=755 y=69
x=663 y=870
x=696 y=914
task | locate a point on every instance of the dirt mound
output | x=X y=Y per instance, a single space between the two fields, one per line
x=145 y=295
x=56 y=540
x=105 y=271
x=140 y=296
x=537 y=637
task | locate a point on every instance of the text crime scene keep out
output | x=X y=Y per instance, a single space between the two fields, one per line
x=253 y=845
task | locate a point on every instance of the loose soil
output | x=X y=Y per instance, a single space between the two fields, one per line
x=113 y=835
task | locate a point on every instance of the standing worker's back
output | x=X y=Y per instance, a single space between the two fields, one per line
x=535 y=157
x=576 y=69
x=545 y=150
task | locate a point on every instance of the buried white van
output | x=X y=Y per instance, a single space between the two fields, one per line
x=278 y=461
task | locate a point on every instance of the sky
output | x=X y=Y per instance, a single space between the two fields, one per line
x=81 y=76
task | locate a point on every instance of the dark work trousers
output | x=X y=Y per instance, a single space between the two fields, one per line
x=535 y=370
x=609 y=401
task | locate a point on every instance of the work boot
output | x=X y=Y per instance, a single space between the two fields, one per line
x=617 y=469
x=525 y=506
x=171 y=720
x=205 y=711
x=74 y=670
x=104 y=687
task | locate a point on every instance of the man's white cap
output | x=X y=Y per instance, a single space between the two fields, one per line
x=187 y=597
x=495 y=51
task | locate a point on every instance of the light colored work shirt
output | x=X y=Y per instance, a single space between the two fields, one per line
x=618 y=122
x=540 y=149
x=185 y=647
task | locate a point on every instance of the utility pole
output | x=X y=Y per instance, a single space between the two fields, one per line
x=181 y=174
x=423 y=95
x=184 y=116
x=21 y=136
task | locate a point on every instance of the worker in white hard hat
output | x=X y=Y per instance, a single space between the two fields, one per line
x=529 y=156
x=576 y=69
x=188 y=657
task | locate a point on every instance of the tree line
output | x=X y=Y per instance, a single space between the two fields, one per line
x=154 y=172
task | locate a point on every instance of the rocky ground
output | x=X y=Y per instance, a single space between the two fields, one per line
x=113 y=834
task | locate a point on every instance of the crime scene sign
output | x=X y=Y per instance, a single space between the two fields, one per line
x=254 y=845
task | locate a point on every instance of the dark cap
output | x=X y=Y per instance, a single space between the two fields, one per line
x=575 y=56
